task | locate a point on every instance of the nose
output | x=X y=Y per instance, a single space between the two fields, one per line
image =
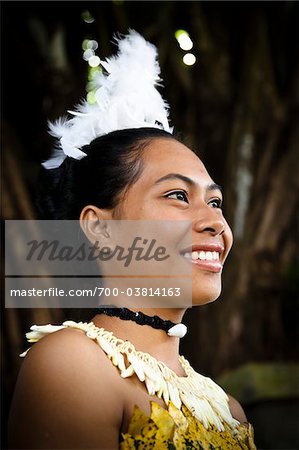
x=210 y=220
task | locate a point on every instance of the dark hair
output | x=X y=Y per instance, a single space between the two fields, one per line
x=113 y=163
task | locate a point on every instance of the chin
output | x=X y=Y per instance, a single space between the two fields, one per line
x=204 y=293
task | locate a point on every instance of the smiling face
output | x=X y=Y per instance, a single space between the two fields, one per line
x=174 y=185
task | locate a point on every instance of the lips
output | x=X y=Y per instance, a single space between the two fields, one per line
x=205 y=256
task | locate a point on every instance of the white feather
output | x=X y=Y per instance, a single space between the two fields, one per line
x=126 y=97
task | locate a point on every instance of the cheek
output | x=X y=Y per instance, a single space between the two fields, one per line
x=228 y=238
x=155 y=211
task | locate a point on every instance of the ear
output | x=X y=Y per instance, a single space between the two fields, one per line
x=95 y=224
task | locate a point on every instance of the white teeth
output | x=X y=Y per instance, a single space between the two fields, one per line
x=202 y=255
x=216 y=256
x=209 y=256
x=194 y=255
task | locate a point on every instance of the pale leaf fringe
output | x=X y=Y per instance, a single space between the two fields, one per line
x=203 y=397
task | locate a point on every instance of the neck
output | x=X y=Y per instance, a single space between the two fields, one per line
x=145 y=338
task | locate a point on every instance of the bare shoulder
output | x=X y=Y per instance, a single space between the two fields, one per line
x=66 y=395
x=236 y=409
x=67 y=345
x=68 y=356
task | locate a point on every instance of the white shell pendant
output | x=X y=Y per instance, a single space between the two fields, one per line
x=178 y=330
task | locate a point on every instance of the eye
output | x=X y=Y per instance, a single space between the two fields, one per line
x=216 y=203
x=178 y=195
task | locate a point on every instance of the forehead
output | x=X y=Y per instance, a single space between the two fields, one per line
x=164 y=156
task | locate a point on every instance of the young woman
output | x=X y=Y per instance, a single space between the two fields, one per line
x=118 y=383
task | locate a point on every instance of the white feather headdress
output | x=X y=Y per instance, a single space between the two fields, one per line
x=126 y=97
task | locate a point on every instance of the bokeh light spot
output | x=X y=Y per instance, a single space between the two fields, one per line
x=94 y=61
x=88 y=54
x=189 y=59
x=87 y=17
x=184 y=39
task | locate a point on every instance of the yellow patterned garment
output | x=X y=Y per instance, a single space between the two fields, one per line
x=178 y=430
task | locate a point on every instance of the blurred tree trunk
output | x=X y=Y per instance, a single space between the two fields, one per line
x=262 y=193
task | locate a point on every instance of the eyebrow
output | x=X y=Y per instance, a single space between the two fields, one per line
x=214 y=187
x=173 y=176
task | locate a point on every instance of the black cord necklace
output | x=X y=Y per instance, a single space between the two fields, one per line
x=171 y=328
